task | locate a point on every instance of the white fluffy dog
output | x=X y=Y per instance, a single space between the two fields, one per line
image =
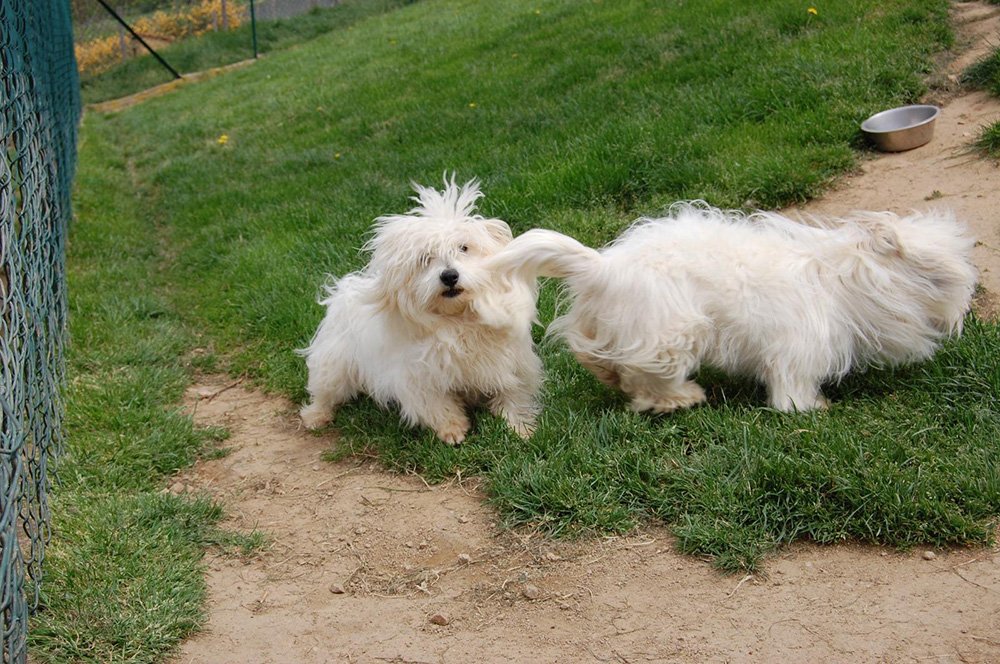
x=792 y=304
x=425 y=326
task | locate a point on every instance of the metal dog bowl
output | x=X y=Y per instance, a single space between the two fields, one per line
x=902 y=128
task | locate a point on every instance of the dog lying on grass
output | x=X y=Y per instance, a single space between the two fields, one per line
x=792 y=304
x=425 y=326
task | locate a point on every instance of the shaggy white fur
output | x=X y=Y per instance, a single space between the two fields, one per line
x=792 y=304
x=425 y=326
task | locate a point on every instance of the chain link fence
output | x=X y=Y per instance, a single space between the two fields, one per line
x=103 y=43
x=39 y=111
x=127 y=46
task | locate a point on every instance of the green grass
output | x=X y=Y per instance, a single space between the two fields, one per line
x=215 y=49
x=579 y=117
x=123 y=579
x=985 y=75
x=988 y=141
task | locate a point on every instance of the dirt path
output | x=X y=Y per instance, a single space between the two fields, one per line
x=362 y=561
x=363 y=566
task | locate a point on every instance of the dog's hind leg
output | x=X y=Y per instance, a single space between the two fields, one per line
x=329 y=386
x=603 y=371
x=660 y=394
x=667 y=398
x=661 y=384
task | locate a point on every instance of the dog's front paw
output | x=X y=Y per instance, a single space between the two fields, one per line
x=452 y=433
x=314 y=417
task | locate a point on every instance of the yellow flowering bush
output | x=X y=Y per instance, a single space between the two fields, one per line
x=100 y=54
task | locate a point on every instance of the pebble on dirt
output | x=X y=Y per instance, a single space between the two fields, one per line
x=337 y=589
x=440 y=619
x=531 y=591
x=929 y=555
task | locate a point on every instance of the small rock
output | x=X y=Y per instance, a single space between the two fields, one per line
x=337 y=589
x=440 y=619
x=408 y=545
x=551 y=557
x=462 y=518
x=315 y=467
x=422 y=545
x=464 y=558
x=360 y=530
x=531 y=591
x=177 y=487
x=929 y=555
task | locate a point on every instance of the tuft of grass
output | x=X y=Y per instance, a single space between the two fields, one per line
x=984 y=73
x=578 y=117
x=244 y=545
x=988 y=141
x=215 y=49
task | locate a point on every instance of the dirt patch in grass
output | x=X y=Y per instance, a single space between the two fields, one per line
x=363 y=566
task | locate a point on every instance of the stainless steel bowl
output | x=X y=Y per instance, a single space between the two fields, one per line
x=902 y=128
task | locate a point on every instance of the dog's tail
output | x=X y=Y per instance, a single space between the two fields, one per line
x=544 y=253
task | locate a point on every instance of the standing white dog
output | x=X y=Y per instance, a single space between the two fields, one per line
x=426 y=326
x=791 y=304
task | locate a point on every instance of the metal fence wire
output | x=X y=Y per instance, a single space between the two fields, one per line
x=39 y=112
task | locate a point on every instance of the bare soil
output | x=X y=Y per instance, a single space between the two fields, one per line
x=365 y=566
x=362 y=564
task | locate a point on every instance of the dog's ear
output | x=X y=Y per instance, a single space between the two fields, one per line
x=498 y=230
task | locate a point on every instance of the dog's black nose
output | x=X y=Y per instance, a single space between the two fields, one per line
x=449 y=277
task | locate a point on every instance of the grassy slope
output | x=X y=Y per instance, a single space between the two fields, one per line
x=579 y=116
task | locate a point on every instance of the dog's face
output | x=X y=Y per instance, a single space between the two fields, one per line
x=427 y=267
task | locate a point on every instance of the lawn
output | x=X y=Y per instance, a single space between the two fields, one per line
x=234 y=198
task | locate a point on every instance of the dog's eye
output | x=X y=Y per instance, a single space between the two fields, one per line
x=464 y=248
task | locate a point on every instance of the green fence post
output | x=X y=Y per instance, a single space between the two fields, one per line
x=253 y=29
